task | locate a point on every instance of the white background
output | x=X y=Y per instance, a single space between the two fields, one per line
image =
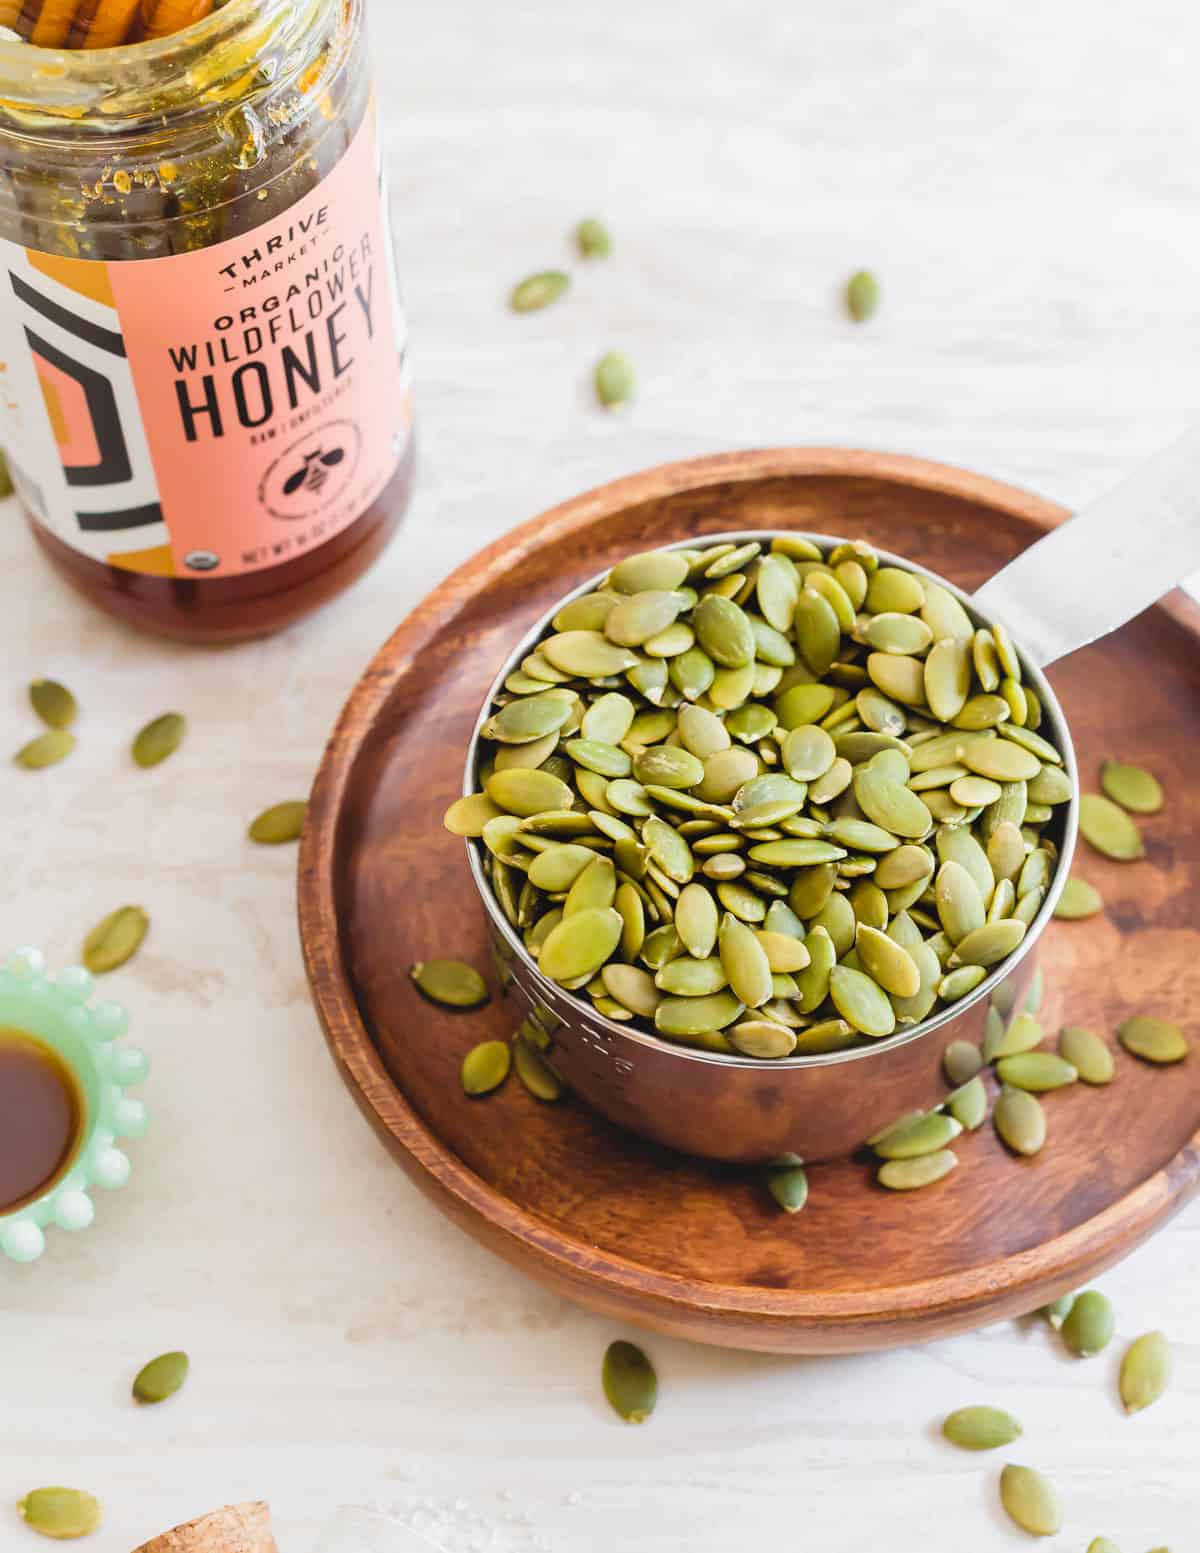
x=1025 y=180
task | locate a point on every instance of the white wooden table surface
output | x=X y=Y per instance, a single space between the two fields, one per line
x=1024 y=177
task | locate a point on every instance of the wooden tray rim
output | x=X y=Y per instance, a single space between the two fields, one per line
x=562 y=1259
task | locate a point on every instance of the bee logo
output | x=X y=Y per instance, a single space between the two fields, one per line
x=314 y=472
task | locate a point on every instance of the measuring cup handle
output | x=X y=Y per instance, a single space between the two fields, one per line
x=1106 y=564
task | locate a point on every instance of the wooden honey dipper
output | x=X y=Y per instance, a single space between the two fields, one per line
x=99 y=24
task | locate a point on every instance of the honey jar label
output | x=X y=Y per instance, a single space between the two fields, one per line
x=217 y=412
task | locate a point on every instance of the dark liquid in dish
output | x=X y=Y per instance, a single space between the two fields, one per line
x=41 y=1118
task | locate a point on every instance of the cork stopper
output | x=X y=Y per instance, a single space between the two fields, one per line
x=238 y=1528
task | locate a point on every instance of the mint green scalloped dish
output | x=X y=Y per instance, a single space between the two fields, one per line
x=59 y=1012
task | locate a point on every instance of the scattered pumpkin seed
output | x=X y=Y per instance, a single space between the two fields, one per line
x=48 y=749
x=961 y=1060
x=485 y=1067
x=161 y=1378
x=981 y=1428
x=1022 y=1035
x=1131 y=787
x=910 y=1175
x=452 y=983
x=924 y=1134
x=1145 y=1371
x=968 y=1104
x=284 y=822
x=1020 y=1121
x=1029 y=1499
x=1079 y=899
x=1087 y=1054
x=1090 y=1324
x=159 y=740
x=862 y=295
x=115 y=941
x=593 y=239
x=535 y=1072
x=1035 y=1071
x=630 y=1383
x=1153 y=1040
x=53 y=703
x=61 y=1513
x=1109 y=829
x=788 y=1185
x=538 y=291
x=615 y=379
x=1058 y=1310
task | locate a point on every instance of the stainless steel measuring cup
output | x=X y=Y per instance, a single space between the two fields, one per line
x=1079 y=582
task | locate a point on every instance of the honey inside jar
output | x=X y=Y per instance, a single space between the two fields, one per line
x=41 y=1118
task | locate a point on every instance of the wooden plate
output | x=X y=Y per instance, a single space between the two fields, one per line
x=680 y=1245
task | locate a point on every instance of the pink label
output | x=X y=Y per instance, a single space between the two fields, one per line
x=217 y=412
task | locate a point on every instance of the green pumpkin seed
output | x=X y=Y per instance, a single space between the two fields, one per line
x=593 y=239
x=530 y=718
x=1109 y=829
x=284 y=822
x=745 y=962
x=1022 y=1035
x=696 y=1016
x=981 y=1428
x=557 y=868
x=957 y=984
x=664 y=765
x=724 y=631
x=861 y=1002
x=630 y=1383
x=961 y=1061
x=595 y=888
x=452 y=983
x=1129 y=786
x=534 y=1072
x=581 y=943
x=968 y=1104
x=788 y=1185
x=526 y=793
x=615 y=379
x=61 y=1513
x=990 y=944
x=947 y=678
x=538 y=291
x=486 y=1067
x=1079 y=899
x=115 y=941
x=650 y=571
x=924 y=1134
x=688 y=978
x=1090 y=1324
x=161 y=1378
x=785 y=953
x=1020 y=1121
x=910 y=1175
x=896 y=633
x=1145 y=1372
x=762 y=1038
x=862 y=296
x=633 y=987
x=1029 y=1499
x=959 y=903
x=1153 y=1040
x=808 y=752
x=887 y=963
x=1087 y=1054
x=891 y=805
x=159 y=740
x=1058 y=1310
x=53 y=703
x=48 y=749
x=1037 y=1072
